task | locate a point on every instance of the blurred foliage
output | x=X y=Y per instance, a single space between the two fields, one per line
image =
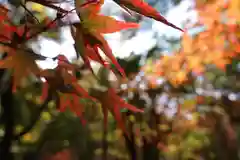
x=185 y=117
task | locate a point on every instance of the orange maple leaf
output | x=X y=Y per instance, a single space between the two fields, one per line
x=23 y=64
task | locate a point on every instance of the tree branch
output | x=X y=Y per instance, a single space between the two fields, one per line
x=29 y=12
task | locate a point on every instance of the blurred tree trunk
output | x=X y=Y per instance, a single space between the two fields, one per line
x=130 y=142
x=7 y=120
x=105 y=144
x=150 y=150
x=224 y=139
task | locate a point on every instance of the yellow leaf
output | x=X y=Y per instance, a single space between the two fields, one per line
x=38 y=100
x=51 y=104
x=139 y=142
x=131 y=118
x=189 y=104
x=19 y=128
x=28 y=137
x=97 y=135
x=163 y=127
x=37 y=7
x=172 y=148
x=28 y=96
x=110 y=137
x=46 y=116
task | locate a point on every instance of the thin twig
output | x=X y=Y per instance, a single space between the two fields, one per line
x=48 y=26
x=29 y=12
x=47 y=4
x=57 y=18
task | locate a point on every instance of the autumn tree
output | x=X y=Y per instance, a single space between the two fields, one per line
x=21 y=72
x=211 y=55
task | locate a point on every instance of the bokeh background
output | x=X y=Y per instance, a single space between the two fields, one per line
x=187 y=83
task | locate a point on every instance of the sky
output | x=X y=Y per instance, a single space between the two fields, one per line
x=139 y=44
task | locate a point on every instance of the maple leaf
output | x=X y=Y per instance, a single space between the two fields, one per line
x=187 y=44
x=84 y=49
x=193 y=62
x=105 y=24
x=110 y=101
x=23 y=64
x=6 y=29
x=9 y=31
x=73 y=102
x=67 y=95
x=98 y=41
x=61 y=82
x=22 y=32
x=88 y=35
x=87 y=45
x=220 y=39
x=88 y=7
x=233 y=11
x=143 y=8
x=62 y=79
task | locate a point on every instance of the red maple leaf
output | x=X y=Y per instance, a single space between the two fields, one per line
x=110 y=101
x=61 y=82
x=143 y=8
x=89 y=34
